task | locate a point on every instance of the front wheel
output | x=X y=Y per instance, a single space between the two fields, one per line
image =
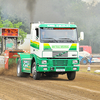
x=71 y=75
x=36 y=75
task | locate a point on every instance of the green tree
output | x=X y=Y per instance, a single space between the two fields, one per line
x=9 y=24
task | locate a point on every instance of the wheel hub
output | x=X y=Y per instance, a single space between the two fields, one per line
x=18 y=69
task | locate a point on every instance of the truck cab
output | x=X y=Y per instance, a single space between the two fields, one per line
x=54 y=50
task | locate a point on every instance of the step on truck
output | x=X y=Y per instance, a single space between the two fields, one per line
x=54 y=50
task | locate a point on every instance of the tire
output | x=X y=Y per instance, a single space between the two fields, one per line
x=36 y=75
x=19 y=70
x=71 y=75
x=84 y=61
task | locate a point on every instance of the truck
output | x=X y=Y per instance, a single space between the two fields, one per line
x=54 y=50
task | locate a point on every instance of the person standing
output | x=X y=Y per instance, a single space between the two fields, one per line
x=91 y=59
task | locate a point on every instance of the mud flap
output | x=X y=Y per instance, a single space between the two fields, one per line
x=25 y=62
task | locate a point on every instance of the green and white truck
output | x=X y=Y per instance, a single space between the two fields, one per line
x=54 y=50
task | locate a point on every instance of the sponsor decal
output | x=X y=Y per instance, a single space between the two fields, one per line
x=60 y=46
x=27 y=69
x=46 y=46
x=34 y=44
x=73 y=46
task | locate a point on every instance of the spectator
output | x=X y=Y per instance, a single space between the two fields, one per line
x=91 y=59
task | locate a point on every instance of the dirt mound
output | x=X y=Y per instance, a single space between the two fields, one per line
x=10 y=72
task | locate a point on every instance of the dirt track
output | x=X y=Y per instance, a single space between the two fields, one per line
x=84 y=87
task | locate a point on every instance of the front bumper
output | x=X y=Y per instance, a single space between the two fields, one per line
x=57 y=65
x=58 y=69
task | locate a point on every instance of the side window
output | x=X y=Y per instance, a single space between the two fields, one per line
x=81 y=49
x=37 y=33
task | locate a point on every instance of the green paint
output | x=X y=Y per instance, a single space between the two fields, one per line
x=34 y=45
x=47 y=47
x=58 y=25
x=66 y=64
x=25 y=63
x=57 y=64
x=73 y=47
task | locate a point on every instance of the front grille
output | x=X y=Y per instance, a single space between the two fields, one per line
x=62 y=54
x=60 y=67
x=59 y=62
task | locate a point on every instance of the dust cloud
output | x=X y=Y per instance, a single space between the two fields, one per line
x=12 y=71
x=18 y=9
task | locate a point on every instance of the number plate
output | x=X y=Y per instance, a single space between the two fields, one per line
x=60 y=70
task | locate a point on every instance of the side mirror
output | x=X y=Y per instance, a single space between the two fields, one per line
x=81 y=36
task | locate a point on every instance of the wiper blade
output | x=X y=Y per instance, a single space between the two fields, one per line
x=51 y=39
x=68 y=39
x=64 y=38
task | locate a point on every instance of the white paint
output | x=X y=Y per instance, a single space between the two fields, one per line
x=72 y=54
x=26 y=44
x=47 y=54
x=97 y=71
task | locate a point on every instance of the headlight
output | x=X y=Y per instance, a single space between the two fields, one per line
x=75 y=61
x=44 y=62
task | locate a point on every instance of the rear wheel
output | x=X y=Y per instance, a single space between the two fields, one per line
x=84 y=61
x=71 y=75
x=19 y=70
x=36 y=75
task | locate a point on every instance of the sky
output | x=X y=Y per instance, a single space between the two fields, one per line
x=93 y=2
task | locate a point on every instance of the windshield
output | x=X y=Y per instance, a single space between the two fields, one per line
x=59 y=35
